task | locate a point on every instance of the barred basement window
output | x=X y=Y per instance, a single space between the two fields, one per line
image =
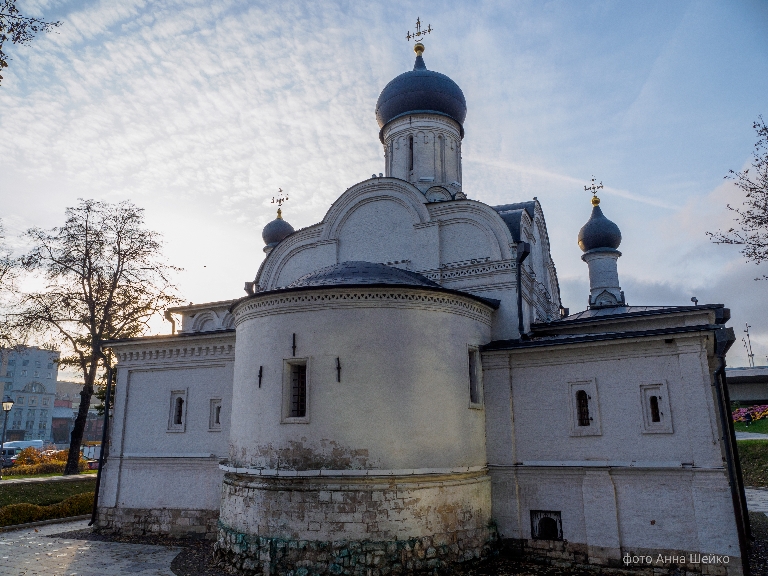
x=546 y=525
x=582 y=406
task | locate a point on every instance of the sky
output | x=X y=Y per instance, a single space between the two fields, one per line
x=198 y=111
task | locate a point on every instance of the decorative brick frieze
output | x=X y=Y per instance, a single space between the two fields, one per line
x=339 y=297
x=173 y=522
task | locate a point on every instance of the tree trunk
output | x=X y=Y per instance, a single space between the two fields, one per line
x=76 y=438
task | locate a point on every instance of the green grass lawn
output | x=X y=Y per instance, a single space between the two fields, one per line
x=50 y=475
x=43 y=493
x=758 y=426
x=753 y=455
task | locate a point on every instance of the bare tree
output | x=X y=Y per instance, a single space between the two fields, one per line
x=8 y=271
x=751 y=232
x=17 y=28
x=105 y=278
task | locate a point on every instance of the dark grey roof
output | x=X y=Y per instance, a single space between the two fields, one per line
x=276 y=231
x=357 y=273
x=620 y=312
x=512 y=213
x=564 y=339
x=421 y=90
x=599 y=232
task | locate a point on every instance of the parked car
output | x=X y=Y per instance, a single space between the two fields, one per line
x=93 y=464
x=8 y=456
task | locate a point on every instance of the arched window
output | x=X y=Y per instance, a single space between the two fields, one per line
x=548 y=529
x=582 y=407
x=410 y=153
x=178 y=411
x=655 y=414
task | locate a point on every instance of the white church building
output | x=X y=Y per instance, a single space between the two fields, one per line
x=401 y=390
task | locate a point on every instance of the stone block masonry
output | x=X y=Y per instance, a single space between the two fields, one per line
x=354 y=525
x=172 y=522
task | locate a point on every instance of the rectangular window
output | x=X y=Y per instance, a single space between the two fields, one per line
x=8 y=386
x=20 y=400
x=37 y=363
x=475 y=378
x=33 y=401
x=45 y=401
x=9 y=374
x=25 y=362
x=214 y=417
x=49 y=375
x=296 y=391
x=30 y=425
x=23 y=372
x=177 y=415
x=655 y=409
x=37 y=374
x=584 y=408
x=11 y=362
x=50 y=365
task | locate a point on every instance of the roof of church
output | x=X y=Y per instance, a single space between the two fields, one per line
x=421 y=91
x=599 y=232
x=614 y=312
x=512 y=213
x=357 y=273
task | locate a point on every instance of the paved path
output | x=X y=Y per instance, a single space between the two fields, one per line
x=757 y=499
x=11 y=480
x=31 y=553
x=751 y=436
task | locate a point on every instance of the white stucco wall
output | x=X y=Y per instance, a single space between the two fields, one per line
x=403 y=399
x=627 y=487
x=150 y=466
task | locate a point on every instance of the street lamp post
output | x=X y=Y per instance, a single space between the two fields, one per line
x=7 y=405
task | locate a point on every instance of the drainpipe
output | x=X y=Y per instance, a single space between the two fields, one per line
x=523 y=250
x=169 y=317
x=724 y=338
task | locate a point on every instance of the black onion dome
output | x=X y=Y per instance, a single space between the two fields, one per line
x=356 y=273
x=421 y=90
x=599 y=232
x=276 y=231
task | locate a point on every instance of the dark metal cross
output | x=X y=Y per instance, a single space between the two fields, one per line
x=593 y=187
x=280 y=198
x=419 y=32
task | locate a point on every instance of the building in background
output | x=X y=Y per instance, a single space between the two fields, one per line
x=65 y=410
x=748 y=385
x=29 y=374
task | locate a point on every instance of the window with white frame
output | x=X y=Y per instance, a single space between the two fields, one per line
x=475 y=378
x=177 y=417
x=296 y=391
x=214 y=417
x=655 y=409
x=584 y=408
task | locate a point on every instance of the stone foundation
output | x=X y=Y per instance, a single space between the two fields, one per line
x=354 y=524
x=172 y=522
x=576 y=555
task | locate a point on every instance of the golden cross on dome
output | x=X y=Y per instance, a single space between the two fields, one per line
x=419 y=34
x=594 y=188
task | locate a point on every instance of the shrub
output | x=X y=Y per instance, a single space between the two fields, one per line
x=22 y=513
x=53 y=467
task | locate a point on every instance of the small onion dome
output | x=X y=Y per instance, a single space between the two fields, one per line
x=276 y=231
x=421 y=91
x=598 y=232
x=357 y=272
